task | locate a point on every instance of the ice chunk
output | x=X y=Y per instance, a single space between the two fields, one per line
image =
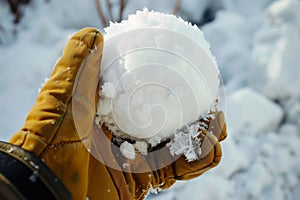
x=127 y=150
x=248 y=110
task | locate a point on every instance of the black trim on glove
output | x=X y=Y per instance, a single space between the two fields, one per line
x=28 y=176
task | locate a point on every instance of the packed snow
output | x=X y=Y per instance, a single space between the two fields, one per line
x=127 y=150
x=151 y=84
x=247 y=37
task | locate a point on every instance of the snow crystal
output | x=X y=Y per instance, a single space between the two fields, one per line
x=127 y=150
x=186 y=142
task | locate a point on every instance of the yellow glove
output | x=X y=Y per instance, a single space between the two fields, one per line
x=138 y=184
x=51 y=133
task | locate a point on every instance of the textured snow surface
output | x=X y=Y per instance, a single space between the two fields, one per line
x=157 y=86
x=250 y=110
x=274 y=52
x=258 y=166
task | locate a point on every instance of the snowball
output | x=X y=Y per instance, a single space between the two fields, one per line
x=250 y=111
x=127 y=150
x=158 y=76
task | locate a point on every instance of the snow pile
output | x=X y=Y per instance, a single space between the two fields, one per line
x=276 y=52
x=234 y=159
x=250 y=111
x=230 y=39
x=151 y=83
x=246 y=7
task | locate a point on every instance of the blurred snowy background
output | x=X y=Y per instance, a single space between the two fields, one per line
x=257 y=45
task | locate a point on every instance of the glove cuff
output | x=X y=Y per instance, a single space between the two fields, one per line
x=25 y=176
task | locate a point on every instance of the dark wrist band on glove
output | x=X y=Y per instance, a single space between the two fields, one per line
x=25 y=176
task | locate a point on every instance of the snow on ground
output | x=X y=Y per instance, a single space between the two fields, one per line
x=274 y=52
x=249 y=110
x=256 y=45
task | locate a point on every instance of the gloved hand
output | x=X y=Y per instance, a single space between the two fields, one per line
x=51 y=133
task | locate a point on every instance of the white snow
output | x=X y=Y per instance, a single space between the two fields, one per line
x=127 y=150
x=233 y=159
x=250 y=111
x=187 y=142
x=154 y=83
x=243 y=28
x=262 y=179
x=108 y=90
x=276 y=52
x=211 y=187
x=141 y=146
x=230 y=39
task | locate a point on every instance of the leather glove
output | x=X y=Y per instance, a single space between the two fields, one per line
x=51 y=132
x=138 y=184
